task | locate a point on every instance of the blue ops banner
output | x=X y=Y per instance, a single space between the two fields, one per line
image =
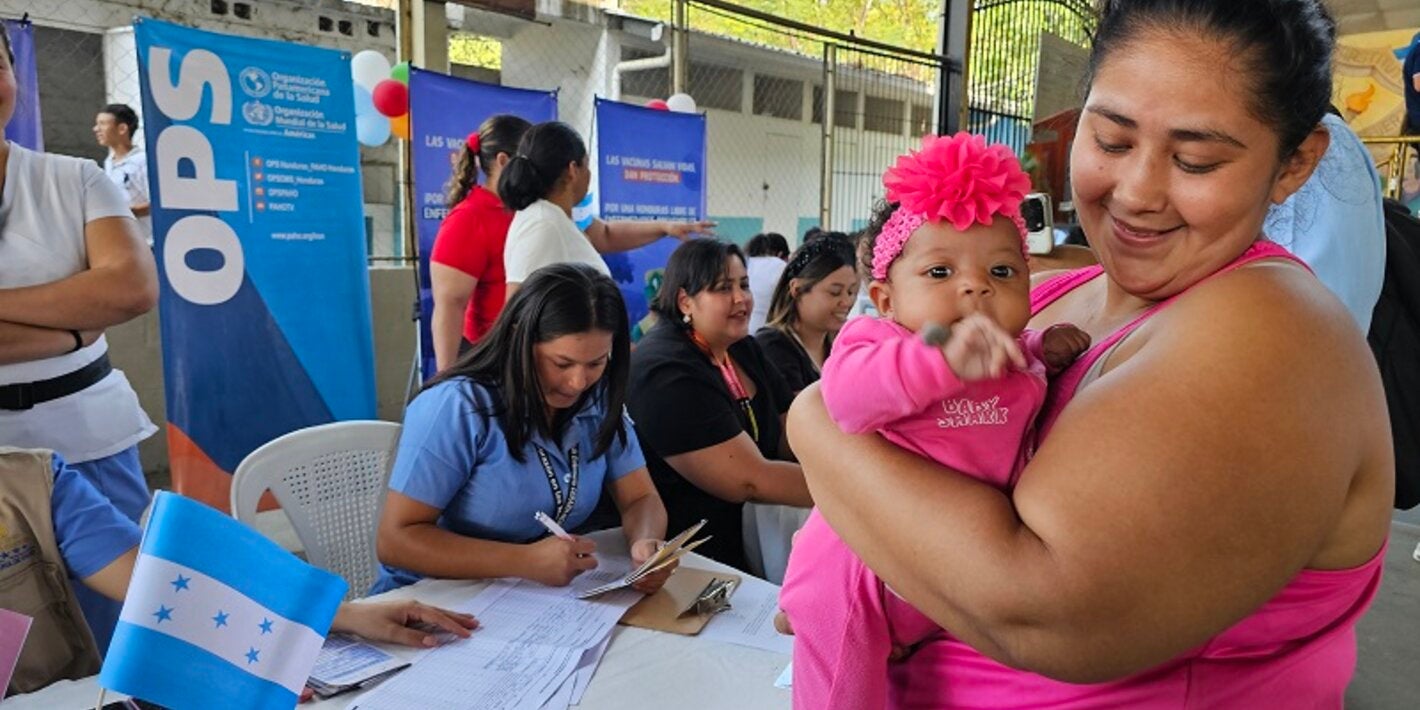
x=650 y=165
x=443 y=110
x=260 y=243
x=25 y=128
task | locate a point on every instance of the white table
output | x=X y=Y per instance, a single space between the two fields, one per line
x=641 y=668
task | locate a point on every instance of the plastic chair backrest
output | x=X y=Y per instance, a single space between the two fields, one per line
x=330 y=481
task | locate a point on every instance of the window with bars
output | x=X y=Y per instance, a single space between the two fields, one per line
x=779 y=98
x=845 y=107
x=883 y=115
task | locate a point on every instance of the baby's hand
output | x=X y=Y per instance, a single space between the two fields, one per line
x=1061 y=344
x=978 y=349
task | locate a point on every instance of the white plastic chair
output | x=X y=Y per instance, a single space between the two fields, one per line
x=330 y=481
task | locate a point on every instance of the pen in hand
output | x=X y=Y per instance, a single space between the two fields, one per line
x=551 y=525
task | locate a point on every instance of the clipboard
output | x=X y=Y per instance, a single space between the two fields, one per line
x=665 y=610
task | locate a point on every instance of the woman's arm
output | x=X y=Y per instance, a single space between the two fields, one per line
x=643 y=522
x=23 y=343
x=624 y=235
x=120 y=284
x=1174 y=496
x=409 y=538
x=734 y=470
x=452 y=290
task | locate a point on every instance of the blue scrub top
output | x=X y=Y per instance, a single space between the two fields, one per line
x=91 y=533
x=453 y=456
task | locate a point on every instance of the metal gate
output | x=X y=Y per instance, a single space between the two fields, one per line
x=1025 y=61
x=805 y=119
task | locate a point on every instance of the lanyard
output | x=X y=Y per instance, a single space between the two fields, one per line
x=563 y=504
x=732 y=381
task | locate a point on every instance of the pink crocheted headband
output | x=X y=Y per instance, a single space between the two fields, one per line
x=959 y=180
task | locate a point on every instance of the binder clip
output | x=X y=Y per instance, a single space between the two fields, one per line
x=713 y=599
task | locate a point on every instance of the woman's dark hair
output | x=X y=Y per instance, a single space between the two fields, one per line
x=768 y=244
x=557 y=300
x=542 y=156
x=498 y=134
x=868 y=238
x=810 y=264
x=693 y=267
x=123 y=113
x=1286 y=44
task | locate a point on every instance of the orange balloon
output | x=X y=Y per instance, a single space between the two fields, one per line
x=399 y=125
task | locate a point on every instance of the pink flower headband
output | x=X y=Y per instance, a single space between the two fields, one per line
x=960 y=180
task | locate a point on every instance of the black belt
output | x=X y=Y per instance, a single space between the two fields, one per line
x=25 y=395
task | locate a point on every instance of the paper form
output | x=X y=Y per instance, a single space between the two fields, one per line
x=346 y=661
x=487 y=676
x=750 y=619
x=530 y=642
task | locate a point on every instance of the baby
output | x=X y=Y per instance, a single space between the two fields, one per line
x=948 y=372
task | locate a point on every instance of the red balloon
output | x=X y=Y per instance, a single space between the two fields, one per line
x=658 y=104
x=391 y=98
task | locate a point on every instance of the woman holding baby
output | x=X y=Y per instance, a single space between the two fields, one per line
x=1204 y=501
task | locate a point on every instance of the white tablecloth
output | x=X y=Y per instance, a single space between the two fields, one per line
x=641 y=668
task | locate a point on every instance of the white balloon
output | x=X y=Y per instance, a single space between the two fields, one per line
x=372 y=129
x=681 y=103
x=369 y=68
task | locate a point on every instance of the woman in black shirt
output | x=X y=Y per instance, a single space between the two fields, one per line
x=707 y=411
x=811 y=302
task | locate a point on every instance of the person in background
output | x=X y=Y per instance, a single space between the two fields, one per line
x=126 y=164
x=56 y=520
x=707 y=408
x=546 y=177
x=1205 y=516
x=531 y=420
x=72 y=263
x=466 y=265
x=1336 y=222
x=809 y=304
x=767 y=254
x=863 y=249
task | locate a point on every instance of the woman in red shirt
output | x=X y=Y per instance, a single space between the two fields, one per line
x=466 y=266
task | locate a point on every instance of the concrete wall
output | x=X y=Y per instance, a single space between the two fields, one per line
x=134 y=348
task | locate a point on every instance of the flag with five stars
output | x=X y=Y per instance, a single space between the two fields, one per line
x=217 y=615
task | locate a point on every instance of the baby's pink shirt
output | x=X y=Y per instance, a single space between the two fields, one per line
x=883 y=377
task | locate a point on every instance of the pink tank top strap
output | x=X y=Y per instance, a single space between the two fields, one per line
x=1063 y=387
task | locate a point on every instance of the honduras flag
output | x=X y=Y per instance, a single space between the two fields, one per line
x=217 y=616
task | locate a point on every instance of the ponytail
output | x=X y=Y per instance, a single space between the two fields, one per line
x=542 y=156
x=497 y=134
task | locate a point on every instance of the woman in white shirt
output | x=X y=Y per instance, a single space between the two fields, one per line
x=72 y=263
x=541 y=183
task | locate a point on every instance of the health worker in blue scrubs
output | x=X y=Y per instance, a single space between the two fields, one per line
x=531 y=419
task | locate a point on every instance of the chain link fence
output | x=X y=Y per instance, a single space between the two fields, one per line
x=802 y=121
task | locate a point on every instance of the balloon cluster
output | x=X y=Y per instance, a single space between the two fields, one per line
x=679 y=103
x=381 y=98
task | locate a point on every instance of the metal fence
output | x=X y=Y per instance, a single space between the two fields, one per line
x=1025 y=62
x=803 y=121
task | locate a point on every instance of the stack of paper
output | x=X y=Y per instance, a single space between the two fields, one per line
x=346 y=663
x=664 y=557
x=535 y=647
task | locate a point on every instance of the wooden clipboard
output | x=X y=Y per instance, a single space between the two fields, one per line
x=662 y=611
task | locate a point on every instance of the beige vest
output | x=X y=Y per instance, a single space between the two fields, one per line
x=33 y=578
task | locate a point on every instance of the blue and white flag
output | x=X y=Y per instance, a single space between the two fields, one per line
x=217 y=616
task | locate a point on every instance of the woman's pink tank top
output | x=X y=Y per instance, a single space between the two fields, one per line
x=1297 y=650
